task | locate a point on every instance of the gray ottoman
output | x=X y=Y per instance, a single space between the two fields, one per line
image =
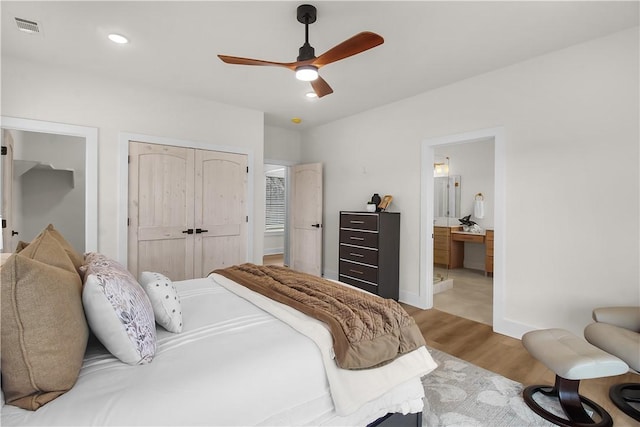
x=572 y=359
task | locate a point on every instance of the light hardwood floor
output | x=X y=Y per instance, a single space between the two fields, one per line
x=477 y=343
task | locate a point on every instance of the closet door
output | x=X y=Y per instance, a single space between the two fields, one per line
x=220 y=210
x=161 y=192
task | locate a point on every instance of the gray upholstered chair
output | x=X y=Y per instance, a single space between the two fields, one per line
x=617 y=331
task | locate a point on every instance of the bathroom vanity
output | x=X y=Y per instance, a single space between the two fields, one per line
x=448 y=246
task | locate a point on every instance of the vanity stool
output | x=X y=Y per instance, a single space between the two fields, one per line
x=572 y=359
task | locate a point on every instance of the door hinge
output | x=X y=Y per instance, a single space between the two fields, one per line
x=247 y=218
x=4 y=150
x=128 y=222
x=128 y=159
x=4 y=223
x=247 y=169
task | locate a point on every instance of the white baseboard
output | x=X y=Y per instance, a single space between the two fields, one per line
x=273 y=251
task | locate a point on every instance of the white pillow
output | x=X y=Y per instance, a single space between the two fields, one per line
x=165 y=300
x=118 y=310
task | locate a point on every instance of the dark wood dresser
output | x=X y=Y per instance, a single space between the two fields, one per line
x=369 y=253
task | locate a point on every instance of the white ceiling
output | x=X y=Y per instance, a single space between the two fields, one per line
x=427 y=45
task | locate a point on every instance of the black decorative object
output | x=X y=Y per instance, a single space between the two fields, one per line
x=375 y=200
x=467 y=221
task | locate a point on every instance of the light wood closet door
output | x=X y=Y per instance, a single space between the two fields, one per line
x=187 y=210
x=220 y=210
x=160 y=209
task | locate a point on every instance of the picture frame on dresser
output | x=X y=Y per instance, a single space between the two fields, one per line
x=369 y=251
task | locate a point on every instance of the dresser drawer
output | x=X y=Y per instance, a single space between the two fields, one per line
x=359 y=254
x=359 y=271
x=441 y=243
x=359 y=284
x=359 y=238
x=441 y=232
x=441 y=257
x=359 y=221
x=473 y=238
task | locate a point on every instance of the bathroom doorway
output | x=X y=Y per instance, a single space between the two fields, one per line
x=463 y=213
x=481 y=173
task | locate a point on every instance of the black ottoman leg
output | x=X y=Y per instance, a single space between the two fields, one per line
x=622 y=394
x=567 y=393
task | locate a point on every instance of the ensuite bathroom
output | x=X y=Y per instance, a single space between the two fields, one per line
x=463 y=229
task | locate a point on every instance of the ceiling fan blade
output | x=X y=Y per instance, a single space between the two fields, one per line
x=356 y=44
x=249 y=61
x=321 y=87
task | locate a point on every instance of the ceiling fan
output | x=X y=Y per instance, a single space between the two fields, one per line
x=307 y=64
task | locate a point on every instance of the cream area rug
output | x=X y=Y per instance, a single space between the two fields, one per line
x=459 y=393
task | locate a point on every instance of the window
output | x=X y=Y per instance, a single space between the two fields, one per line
x=275 y=203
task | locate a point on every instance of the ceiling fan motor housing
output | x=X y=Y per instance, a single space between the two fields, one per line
x=307 y=14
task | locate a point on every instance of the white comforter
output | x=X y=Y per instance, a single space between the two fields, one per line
x=233 y=364
x=350 y=389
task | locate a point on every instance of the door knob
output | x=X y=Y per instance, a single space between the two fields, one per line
x=14 y=233
x=315 y=225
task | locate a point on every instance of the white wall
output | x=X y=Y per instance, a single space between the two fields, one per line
x=571 y=238
x=32 y=91
x=282 y=144
x=55 y=196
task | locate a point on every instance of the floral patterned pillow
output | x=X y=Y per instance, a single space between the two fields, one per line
x=118 y=310
x=165 y=300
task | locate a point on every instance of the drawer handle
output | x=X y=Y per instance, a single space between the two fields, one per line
x=356 y=271
x=358 y=255
x=356 y=238
x=356 y=222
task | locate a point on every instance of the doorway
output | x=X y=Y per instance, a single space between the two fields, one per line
x=463 y=220
x=276 y=230
x=429 y=147
x=56 y=166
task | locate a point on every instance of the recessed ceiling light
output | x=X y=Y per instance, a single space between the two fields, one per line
x=117 y=38
x=311 y=94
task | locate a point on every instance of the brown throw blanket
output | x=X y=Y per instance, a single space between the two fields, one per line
x=368 y=331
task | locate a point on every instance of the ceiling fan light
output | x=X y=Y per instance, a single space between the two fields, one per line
x=307 y=73
x=118 y=38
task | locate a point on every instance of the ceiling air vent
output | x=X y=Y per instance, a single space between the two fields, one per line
x=27 y=26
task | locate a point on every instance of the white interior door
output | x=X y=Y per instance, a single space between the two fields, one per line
x=306 y=218
x=8 y=245
x=220 y=210
x=161 y=192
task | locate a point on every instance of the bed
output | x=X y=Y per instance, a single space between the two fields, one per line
x=239 y=359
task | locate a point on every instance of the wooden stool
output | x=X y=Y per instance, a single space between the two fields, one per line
x=572 y=359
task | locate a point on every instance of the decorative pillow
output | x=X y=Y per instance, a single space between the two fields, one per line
x=118 y=310
x=44 y=331
x=164 y=299
x=76 y=258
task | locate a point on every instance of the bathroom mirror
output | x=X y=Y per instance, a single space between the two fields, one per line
x=446 y=203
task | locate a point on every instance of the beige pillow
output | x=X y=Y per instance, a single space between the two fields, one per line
x=44 y=331
x=76 y=258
